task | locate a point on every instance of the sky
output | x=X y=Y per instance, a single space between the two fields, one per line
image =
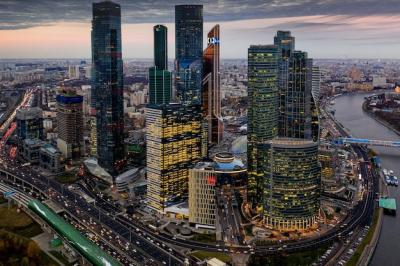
x=323 y=28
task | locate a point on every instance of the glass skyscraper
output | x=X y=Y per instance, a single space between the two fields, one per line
x=160 y=79
x=263 y=91
x=189 y=53
x=284 y=172
x=211 y=99
x=107 y=83
x=291 y=187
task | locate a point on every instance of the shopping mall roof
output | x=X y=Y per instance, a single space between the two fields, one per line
x=85 y=247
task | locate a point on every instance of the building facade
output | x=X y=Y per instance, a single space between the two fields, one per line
x=29 y=123
x=70 y=124
x=205 y=180
x=160 y=79
x=173 y=146
x=189 y=52
x=291 y=184
x=263 y=110
x=107 y=83
x=211 y=98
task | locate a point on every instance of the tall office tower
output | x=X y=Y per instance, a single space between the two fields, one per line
x=295 y=85
x=316 y=83
x=263 y=110
x=211 y=99
x=70 y=124
x=107 y=83
x=173 y=146
x=160 y=79
x=291 y=187
x=29 y=123
x=189 y=52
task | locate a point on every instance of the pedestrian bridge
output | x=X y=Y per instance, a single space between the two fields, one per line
x=385 y=143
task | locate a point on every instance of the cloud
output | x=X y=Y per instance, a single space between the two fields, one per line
x=20 y=14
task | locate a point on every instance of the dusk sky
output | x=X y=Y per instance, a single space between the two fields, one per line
x=323 y=28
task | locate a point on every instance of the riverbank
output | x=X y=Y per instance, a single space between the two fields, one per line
x=379 y=120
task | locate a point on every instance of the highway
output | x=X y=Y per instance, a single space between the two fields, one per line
x=151 y=247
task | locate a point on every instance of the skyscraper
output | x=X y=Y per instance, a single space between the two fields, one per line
x=295 y=105
x=160 y=79
x=189 y=52
x=70 y=124
x=107 y=83
x=295 y=84
x=284 y=172
x=173 y=138
x=211 y=99
x=160 y=47
x=263 y=110
x=291 y=183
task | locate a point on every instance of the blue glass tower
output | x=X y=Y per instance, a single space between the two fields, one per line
x=107 y=83
x=189 y=52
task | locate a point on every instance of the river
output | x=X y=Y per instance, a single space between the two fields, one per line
x=349 y=112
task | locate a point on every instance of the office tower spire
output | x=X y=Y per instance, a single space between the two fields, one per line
x=160 y=79
x=189 y=52
x=107 y=83
x=211 y=98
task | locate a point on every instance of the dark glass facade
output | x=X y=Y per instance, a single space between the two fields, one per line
x=211 y=99
x=291 y=184
x=107 y=83
x=161 y=47
x=29 y=124
x=263 y=110
x=160 y=79
x=189 y=52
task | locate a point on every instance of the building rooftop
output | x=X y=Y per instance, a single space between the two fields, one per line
x=29 y=113
x=128 y=175
x=223 y=162
x=387 y=203
x=96 y=170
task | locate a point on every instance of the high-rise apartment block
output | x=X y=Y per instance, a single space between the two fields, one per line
x=107 y=83
x=70 y=124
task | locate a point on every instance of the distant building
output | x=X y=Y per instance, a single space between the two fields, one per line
x=29 y=123
x=189 y=52
x=379 y=81
x=74 y=72
x=211 y=98
x=173 y=146
x=107 y=84
x=70 y=124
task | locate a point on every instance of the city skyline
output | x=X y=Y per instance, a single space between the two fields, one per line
x=326 y=29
